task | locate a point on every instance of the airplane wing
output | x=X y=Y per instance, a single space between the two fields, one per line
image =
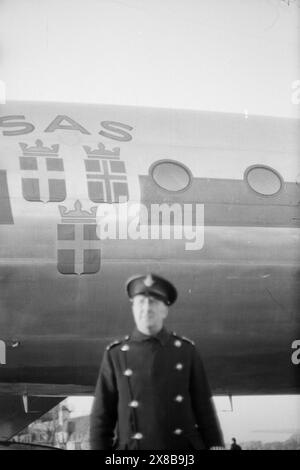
x=17 y=412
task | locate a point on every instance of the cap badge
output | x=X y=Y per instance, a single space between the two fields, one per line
x=148 y=282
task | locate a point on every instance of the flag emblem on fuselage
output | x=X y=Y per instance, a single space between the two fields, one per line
x=43 y=177
x=6 y=217
x=78 y=244
x=106 y=175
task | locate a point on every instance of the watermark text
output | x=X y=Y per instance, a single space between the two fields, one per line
x=136 y=221
x=296 y=353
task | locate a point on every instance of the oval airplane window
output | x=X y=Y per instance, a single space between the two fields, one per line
x=264 y=180
x=171 y=175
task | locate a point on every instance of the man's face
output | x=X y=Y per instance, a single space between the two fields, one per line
x=149 y=314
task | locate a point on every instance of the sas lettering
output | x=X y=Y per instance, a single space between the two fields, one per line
x=111 y=129
x=70 y=125
x=26 y=127
x=115 y=127
x=296 y=354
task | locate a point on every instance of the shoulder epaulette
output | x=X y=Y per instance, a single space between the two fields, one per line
x=115 y=343
x=188 y=340
x=111 y=345
x=183 y=338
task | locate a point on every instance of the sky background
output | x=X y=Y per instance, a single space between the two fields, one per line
x=237 y=56
x=199 y=54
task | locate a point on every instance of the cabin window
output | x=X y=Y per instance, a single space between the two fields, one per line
x=264 y=180
x=171 y=175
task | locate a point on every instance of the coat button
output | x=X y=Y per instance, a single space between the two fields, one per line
x=179 y=366
x=128 y=372
x=125 y=347
x=134 y=404
x=179 y=398
x=177 y=343
x=138 y=436
x=178 y=431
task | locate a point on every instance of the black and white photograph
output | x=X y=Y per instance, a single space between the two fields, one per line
x=150 y=227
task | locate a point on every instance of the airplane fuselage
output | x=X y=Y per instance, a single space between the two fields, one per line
x=62 y=285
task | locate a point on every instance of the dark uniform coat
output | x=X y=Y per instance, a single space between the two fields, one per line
x=152 y=394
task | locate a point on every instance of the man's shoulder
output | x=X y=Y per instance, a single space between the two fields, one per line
x=182 y=339
x=117 y=342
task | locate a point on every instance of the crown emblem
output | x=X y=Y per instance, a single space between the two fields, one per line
x=39 y=149
x=148 y=282
x=101 y=151
x=78 y=215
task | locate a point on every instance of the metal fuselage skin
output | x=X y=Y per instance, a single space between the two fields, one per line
x=62 y=296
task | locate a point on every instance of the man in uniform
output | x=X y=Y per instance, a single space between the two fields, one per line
x=234 y=445
x=152 y=392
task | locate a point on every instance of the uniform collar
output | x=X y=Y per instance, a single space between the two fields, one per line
x=162 y=336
